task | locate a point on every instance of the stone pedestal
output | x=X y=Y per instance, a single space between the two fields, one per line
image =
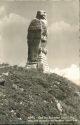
x=41 y=65
x=31 y=65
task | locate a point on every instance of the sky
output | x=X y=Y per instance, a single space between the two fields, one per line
x=63 y=32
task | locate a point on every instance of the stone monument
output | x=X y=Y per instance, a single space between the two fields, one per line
x=37 y=40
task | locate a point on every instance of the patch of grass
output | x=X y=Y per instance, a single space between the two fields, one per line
x=31 y=93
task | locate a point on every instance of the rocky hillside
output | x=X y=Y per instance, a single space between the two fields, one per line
x=25 y=94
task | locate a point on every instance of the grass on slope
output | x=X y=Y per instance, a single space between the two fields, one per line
x=31 y=93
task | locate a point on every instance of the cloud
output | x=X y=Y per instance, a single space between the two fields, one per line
x=76 y=6
x=13 y=32
x=10 y=20
x=2 y=11
x=72 y=73
x=63 y=26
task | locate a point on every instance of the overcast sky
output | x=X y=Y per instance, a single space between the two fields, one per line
x=63 y=37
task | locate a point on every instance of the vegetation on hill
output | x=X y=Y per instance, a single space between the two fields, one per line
x=29 y=93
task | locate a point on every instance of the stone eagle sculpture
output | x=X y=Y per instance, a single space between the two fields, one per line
x=37 y=38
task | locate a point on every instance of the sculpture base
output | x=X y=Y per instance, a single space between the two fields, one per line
x=31 y=65
x=41 y=65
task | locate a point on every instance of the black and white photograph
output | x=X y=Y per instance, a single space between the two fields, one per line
x=39 y=62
